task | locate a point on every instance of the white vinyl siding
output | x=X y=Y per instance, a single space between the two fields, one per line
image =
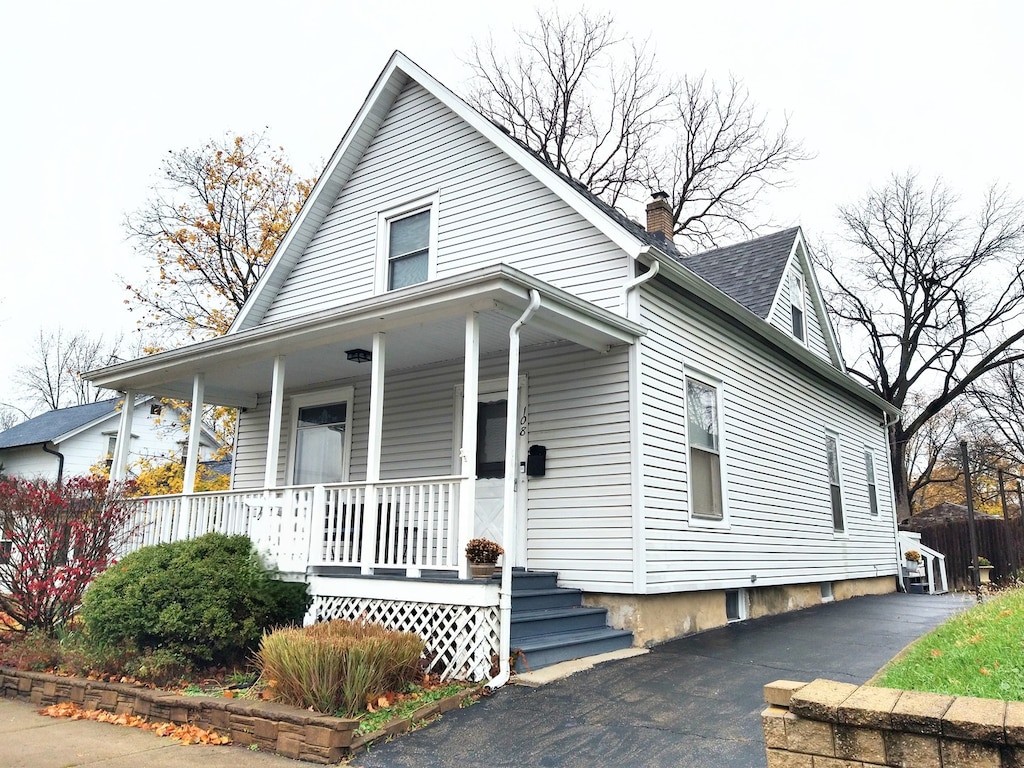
x=489 y=210
x=774 y=414
x=580 y=512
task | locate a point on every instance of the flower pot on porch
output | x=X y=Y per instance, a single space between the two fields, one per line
x=482 y=570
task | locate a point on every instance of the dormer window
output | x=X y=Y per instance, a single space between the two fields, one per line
x=796 y=303
x=406 y=244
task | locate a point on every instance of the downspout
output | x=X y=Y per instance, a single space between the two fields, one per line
x=60 y=461
x=636 y=438
x=508 y=517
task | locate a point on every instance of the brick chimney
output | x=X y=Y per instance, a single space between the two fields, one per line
x=659 y=215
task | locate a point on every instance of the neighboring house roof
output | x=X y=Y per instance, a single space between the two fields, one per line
x=218 y=466
x=55 y=426
x=748 y=272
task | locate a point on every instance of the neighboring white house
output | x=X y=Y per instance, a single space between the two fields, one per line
x=71 y=441
x=454 y=340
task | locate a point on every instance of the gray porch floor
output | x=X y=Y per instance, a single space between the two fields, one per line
x=690 y=702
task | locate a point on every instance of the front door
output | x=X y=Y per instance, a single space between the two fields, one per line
x=492 y=421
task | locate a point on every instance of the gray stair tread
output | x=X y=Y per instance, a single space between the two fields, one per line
x=538 y=614
x=560 y=639
x=546 y=591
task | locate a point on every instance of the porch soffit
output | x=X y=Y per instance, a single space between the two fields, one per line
x=424 y=325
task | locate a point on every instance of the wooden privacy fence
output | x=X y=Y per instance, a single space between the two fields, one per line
x=1000 y=541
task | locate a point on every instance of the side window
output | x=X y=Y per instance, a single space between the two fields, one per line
x=406 y=244
x=704 y=441
x=869 y=471
x=835 y=482
x=796 y=303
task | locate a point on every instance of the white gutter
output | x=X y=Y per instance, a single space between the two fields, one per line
x=627 y=289
x=511 y=474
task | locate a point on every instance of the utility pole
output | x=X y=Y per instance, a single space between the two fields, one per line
x=975 y=573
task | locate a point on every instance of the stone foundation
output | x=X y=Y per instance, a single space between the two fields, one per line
x=839 y=725
x=656 y=618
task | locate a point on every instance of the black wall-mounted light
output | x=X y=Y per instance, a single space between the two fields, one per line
x=359 y=355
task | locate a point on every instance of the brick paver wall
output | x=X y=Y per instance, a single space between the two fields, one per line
x=825 y=724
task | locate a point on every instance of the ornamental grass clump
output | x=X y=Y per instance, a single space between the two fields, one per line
x=336 y=667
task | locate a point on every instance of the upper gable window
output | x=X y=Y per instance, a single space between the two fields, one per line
x=796 y=303
x=406 y=244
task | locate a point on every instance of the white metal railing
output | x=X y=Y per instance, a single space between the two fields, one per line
x=410 y=524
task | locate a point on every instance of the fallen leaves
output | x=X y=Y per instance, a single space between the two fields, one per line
x=185 y=734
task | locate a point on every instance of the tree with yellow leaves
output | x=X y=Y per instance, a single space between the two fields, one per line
x=209 y=231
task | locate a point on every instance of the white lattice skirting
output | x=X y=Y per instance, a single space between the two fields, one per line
x=461 y=640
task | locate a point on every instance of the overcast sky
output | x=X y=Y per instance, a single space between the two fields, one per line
x=95 y=93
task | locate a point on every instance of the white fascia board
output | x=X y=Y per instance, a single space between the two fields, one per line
x=818 y=300
x=772 y=336
x=487 y=287
x=389 y=82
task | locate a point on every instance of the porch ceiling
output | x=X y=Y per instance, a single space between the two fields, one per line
x=424 y=325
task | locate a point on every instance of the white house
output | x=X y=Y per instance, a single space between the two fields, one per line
x=454 y=340
x=71 y=441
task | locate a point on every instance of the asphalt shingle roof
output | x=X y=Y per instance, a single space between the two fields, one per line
x=749 y=272
x=53 y=424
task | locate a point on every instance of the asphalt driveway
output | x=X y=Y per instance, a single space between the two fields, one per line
x=691 y=702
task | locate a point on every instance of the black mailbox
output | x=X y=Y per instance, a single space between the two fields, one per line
x=536 y=462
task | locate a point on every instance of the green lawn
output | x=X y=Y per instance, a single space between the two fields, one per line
x=978 y=653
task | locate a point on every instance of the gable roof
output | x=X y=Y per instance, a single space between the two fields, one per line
x=749 y=272
x=53 y=426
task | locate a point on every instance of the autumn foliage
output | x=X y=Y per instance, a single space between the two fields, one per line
x=62 y=536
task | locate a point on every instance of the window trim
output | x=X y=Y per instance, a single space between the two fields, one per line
x=798 y=303
x=694 y=520
x=321 y=396
x=833 y=435
x=400 y=211
x=871 y=478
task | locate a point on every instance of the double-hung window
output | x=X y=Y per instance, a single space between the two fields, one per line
x=834 y=482
x=869 y=471
x=704 y=439
x=406 y=244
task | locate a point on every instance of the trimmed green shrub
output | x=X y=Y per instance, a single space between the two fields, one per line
x=207 y=601
x=337 y=666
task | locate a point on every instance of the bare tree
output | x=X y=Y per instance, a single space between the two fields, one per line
x=723 y=154
x=936 y=299
x=1001 y=396
x=11 y=415
x=598 y=109
x=53 y=379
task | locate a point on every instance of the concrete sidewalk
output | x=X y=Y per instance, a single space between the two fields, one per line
x=30 y=740
x=691 y=702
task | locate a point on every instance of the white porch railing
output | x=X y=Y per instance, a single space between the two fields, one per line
x=409 y=524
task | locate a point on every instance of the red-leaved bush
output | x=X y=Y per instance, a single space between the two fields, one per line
x=61 y=537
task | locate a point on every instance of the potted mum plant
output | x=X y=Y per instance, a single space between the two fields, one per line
x=483 y=555
x=913 y=559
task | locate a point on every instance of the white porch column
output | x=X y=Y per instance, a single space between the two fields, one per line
x=370 y=510
x=274 y=433
x=467 y=453
x=194 y=432
x=119 y=462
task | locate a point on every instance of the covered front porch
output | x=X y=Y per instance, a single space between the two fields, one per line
x=374 y=442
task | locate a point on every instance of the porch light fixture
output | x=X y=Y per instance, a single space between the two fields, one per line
x=359 y=355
